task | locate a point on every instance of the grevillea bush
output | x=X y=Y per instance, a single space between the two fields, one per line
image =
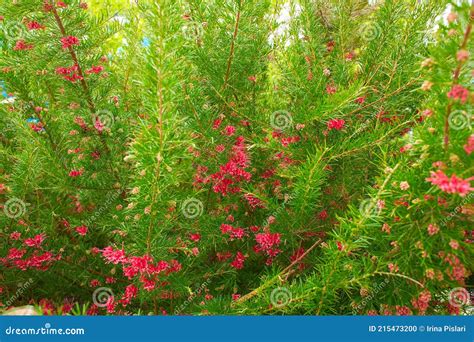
x=236 y=157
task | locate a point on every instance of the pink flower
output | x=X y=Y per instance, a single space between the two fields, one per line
x=229 y=131
x=331 y=89
x=432 y=229
x=462 y=55
x=454 y=244
x=114 y=256
x=336 y=124
x=458 y=92
x=450 y=185
x=69 y=41
x=404 y=185
x=360 y=100
x=393 y=268
x=36 y=241
x=386 y=228
x=82 y=230
x=220 y=148
x=15 y=235
x=469 y=147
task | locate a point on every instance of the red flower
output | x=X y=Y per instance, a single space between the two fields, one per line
x=337 y=124
x=216 y=123
x=36 y=241
x=15 y=253
x=69 y=41
x=21 y=45
x=34 y=25
x=82 y=230
x=75 y=173
x=95 y=69
x=253 y=201
x=61 y=4
x=360 y=100
x=195 y=237
x=238 y=262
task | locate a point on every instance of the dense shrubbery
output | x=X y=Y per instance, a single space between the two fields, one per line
x=236 y=157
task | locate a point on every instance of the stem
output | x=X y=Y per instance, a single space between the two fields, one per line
x=232 y=47
x=457 y=72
